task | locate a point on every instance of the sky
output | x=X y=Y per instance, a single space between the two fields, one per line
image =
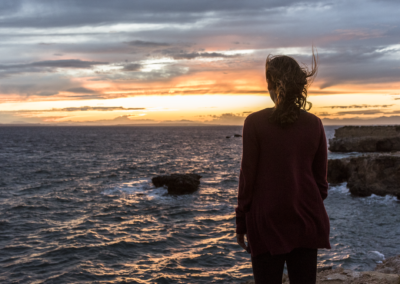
x=186 y=62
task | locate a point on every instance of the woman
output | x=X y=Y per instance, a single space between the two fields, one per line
x=282 y=181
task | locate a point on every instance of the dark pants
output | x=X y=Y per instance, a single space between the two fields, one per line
x=301 y=265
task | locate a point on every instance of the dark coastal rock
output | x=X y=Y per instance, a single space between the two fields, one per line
x=366 y=139
x=338 y=170
x=234 y=135
x=375 y=174
x=178 y=183
x=387 y=272
x=365 y=175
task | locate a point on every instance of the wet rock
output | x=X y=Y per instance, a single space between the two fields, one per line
x=366 y=139
x=377 y=277
x=369 y=174
x=375 y=174
x=346 y=276
x=390 y=265
x=338 y=170
x=178 y=183
x=324 y=268
x=234 y=135
x=335 y=278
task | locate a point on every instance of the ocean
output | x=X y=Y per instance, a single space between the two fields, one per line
x=77 y=206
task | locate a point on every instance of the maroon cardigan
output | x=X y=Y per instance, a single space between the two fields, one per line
x=282 y=185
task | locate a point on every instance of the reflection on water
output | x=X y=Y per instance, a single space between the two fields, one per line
x=77 y=205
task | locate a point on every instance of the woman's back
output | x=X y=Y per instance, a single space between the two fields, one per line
x=283 y=184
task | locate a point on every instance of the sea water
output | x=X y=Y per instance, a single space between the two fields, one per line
x=77 y=206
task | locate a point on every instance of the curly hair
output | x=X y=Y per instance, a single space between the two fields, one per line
x=290 y=82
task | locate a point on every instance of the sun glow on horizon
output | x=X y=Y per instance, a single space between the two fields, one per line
x=214 y=109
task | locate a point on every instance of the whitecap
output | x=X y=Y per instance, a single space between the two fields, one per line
x=132 y=187
x=377 y=256
x=340 y=188
x=383 y=200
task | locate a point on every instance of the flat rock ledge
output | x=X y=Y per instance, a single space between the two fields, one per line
x=366 y=139
x=385 y=273
x=178 y=183
x=368 y=174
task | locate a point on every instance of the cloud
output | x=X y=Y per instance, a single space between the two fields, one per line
x=382 y=120
x=193 y=55
x=363 y=112
x=89 y=108
x=31 y=85
x=358 y=106
x=148 y=44
x=66 y=63
x=101 y=12
x=83 y=108
x=132 y=67
x=228 y=118
x=46 y=66
x=80 y=90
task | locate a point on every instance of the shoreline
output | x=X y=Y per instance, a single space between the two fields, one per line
x=387 y=272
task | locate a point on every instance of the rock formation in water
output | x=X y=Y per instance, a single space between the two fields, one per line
x=338 y=170
x=234 y=135
x=365 y=175
x=178 y=183
x=366 y=139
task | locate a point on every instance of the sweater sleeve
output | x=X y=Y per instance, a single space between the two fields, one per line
x=248 y=171
x=320 y=164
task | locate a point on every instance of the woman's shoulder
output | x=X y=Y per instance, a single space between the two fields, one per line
x=258 y=115
x=310 y=116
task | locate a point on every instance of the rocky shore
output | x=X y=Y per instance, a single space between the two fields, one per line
x=387 y=272
x=366 y=139
x=377 y=172
x=368 y=174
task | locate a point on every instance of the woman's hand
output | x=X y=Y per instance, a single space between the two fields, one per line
x=240 y=241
